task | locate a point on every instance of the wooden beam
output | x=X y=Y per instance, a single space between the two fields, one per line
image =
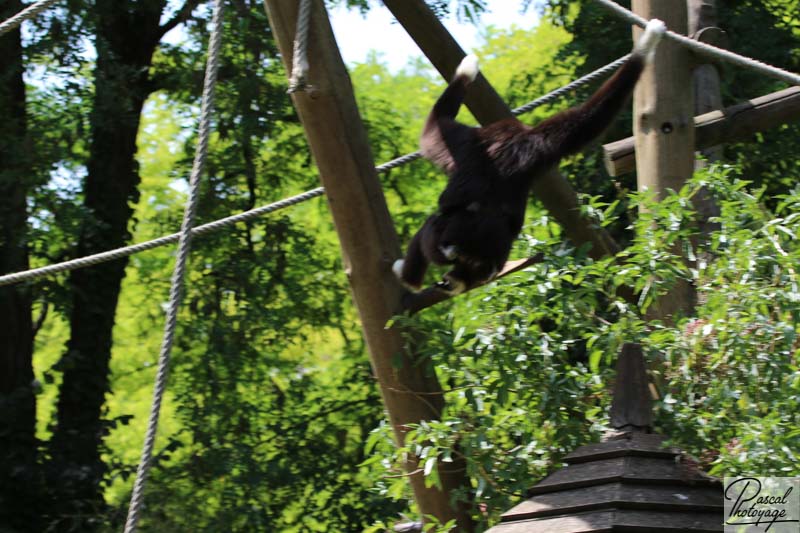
x=369 y=243
x=445 y=54
x=552 y=189
x=416 y=302
x=732 y=124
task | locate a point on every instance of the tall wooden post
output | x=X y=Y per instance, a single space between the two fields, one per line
x=663 y=125
x=410 y=390
x=702 y=22
x=702 y=18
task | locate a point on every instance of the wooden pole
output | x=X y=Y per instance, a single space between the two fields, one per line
x=410 y=390
x=552 y=189
x=663 y=105
x=702 y=20
x=732 y=124
x=663 y=109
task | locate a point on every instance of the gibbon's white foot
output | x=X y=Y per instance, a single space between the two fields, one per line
x=397 y=268
x=648 y=42
x=468 y=67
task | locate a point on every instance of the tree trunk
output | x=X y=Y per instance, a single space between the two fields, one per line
x=410 y=390
x=19 y=475
x=125 y=41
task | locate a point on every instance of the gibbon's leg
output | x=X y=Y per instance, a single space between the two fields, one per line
x=465 y=276
x=442 y=135
x=571 y=130
x=411 y=270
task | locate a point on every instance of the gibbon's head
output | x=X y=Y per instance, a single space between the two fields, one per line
x=468 y=68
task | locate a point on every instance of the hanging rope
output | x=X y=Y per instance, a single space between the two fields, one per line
x=184 y=246
x=126 y=251
x=298 y=81
x=709 y=50
x=26 y=14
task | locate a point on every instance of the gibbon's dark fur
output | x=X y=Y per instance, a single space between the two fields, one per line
x=490 y=169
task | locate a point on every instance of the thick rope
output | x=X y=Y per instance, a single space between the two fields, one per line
x=103 y=257
x=558 y=93
x=709 y=50
x=298 y=81
x=96 y=259
x=26 y=14
x=184 y=246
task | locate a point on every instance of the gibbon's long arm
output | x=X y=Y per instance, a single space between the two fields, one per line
x=490 y=170
x=442 y=137
x=571 y=130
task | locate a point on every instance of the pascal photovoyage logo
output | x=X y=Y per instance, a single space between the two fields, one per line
x=755 y=504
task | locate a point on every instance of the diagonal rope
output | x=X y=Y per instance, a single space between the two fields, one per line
x=558 y=93
x=125 y=251
x=709 y=50
x=26 y=14
x=184 y=246
x=298 y=81
x=102 y=257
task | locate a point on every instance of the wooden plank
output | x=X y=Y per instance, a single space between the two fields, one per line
x=630 y=444
x=732 y=124
x=631 y=468
x=368 y=240
x=619 y=496
x=661 y=522
x=593 y=522
x=415 y=302
x=631 y=404
x=619 y=520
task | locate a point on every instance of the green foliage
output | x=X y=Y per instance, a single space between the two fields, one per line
x=528 y=360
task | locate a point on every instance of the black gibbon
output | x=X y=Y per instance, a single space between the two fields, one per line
x=490 y=170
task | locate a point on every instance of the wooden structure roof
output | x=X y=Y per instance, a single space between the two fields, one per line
x=628 y=482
